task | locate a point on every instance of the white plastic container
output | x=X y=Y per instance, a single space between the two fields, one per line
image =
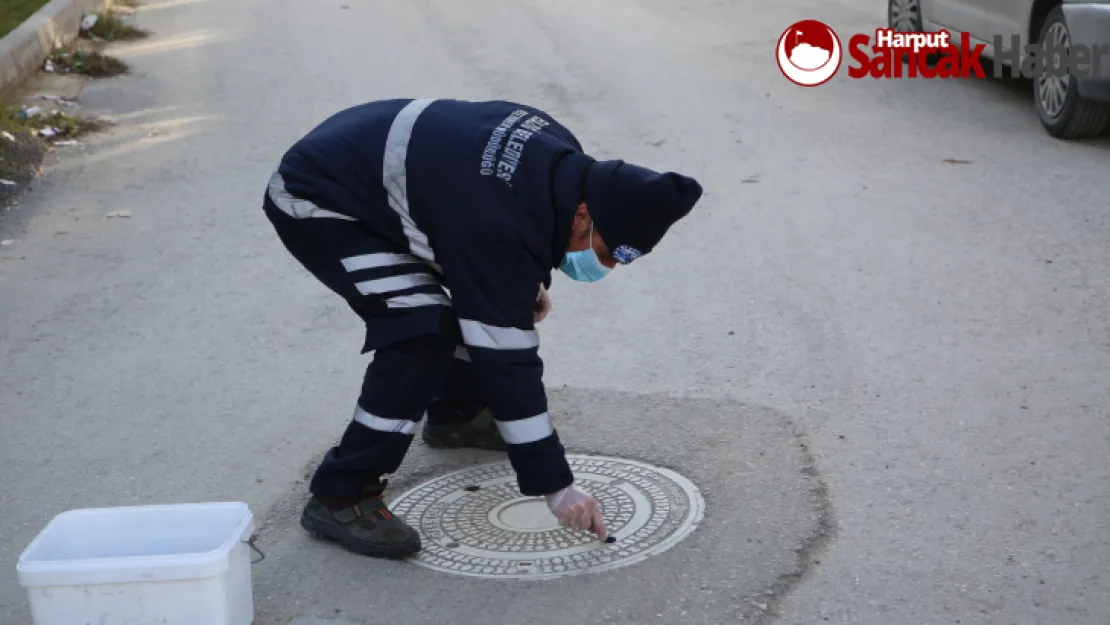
x=185 y=564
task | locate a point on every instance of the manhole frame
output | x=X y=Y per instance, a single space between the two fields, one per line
x=686 y=527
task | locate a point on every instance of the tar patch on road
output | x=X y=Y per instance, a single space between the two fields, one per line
x=765 y=512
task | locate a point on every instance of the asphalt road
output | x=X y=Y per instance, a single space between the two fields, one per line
x=931 y=337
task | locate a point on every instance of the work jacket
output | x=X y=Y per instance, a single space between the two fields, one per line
x=484 y=193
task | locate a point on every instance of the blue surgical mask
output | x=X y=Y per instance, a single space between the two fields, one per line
x=584 y=265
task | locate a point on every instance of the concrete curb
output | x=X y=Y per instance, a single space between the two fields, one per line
x=23 y=50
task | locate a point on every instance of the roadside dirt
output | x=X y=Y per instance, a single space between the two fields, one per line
x=45 y=115
x=21 y=156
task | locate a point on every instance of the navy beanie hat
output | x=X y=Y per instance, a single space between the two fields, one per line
x=633 y=207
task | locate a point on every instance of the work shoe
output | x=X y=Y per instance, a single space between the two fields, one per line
x=480 y=433
x=366 y=527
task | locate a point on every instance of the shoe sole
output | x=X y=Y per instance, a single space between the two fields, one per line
x=325 y=531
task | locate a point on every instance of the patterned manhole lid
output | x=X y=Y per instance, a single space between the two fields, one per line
x=475 y=522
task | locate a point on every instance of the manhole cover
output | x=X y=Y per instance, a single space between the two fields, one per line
x=475 y=522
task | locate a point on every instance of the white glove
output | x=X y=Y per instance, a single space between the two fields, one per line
x=577 y=509
x=543 y=305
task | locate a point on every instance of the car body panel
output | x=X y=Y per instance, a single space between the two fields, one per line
x=965 y=15
x=1006 y=18
x=1089 y=24
x=954 y=35
x=983 y=20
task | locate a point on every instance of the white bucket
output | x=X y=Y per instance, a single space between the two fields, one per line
x=186 y=564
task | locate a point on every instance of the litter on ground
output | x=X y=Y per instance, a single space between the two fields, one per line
x=56 y=98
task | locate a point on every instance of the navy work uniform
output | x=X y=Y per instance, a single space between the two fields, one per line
x=437 y=221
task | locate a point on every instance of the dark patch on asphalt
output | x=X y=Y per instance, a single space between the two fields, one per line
x=767 y=518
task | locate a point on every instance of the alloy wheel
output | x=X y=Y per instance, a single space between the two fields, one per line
x=905 y=16
x=1053 y=90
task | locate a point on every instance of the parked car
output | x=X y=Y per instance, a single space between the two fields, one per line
x=1069 y=107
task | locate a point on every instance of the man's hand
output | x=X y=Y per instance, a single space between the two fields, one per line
x=577 y=509
x=543 y=305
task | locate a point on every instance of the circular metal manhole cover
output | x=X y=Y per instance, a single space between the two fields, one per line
x=475 y=522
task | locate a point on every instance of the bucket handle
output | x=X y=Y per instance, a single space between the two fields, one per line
x=251 y=543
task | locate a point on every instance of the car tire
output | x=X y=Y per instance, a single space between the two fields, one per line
x=1063 y=112
x=905 y=16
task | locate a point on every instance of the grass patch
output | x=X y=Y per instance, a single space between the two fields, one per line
x=92 y=64
x=21 y=153
x=16 y=121
x=10 y=121
x=23 y=146
x=112 y=29
x=15 y=12
x=68 y=126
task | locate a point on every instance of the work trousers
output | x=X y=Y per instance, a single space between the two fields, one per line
x=419 y=366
